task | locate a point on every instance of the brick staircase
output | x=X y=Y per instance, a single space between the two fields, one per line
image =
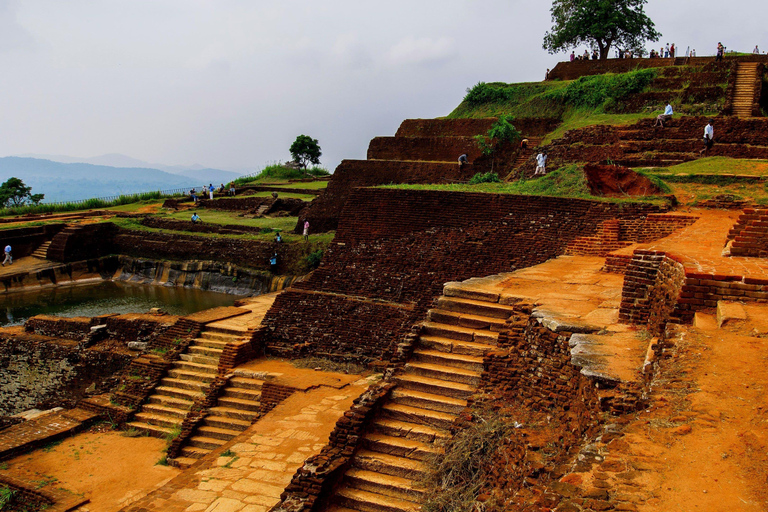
x=605 y=240
x=186 y=380
x=237 y=408
x=524 y=156
x=744 y=91
x=41 y=252
x=413 y=425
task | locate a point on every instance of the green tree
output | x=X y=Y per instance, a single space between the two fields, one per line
x=502 y=131
x=15 y=193
x=305 y=150
x=599 y=24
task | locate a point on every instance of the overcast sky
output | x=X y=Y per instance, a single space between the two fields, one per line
x=231 y=83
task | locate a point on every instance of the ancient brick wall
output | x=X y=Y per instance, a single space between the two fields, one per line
x=664 y=295
x=430 y=149
x=130 y=327
x=15 y=280
x=47 y=372
x=750 y=234
x=395 y=249
x=203 y=227
x=24 y=241
x=82 y=242
x=529 y=127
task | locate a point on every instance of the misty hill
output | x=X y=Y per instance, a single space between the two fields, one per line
x=194 y=172
x=72 y=181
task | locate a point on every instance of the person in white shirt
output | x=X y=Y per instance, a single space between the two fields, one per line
x=666 y=116
x=541 y=163
x=709 y=138
x=756 y=51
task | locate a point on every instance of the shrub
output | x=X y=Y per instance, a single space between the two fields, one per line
x=6 y=496
x=485 y=93
x=487 y=177
x=598 y=90
x=314 y=258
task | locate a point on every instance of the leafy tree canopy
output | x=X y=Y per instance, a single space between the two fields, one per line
x=305 y=150
x=15 y=193
x=599 y=24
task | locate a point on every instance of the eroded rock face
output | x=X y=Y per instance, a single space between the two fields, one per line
x=617 y=181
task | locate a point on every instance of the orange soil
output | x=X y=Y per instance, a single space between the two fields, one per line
x=109 y=468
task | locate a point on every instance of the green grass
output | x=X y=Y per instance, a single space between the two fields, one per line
x=310 y=185
x=568 y=181
x=581 y=118
x=717 y=165
x=277 y=171
x=90 y=204
x=132 y=207
x=528 y=99
x=284 y=195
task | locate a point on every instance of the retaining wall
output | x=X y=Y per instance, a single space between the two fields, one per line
x=24 y=241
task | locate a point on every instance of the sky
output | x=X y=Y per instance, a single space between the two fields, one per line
x=229 y=84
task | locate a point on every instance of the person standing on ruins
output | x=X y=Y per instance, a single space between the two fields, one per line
x=463 y=161
x=541 y=163
x=211 y=188
x=756 y=51
x=306 y=230
x=709 y=138
x=666 y=116
x=720 y=52
x=8 y=256
x=573 y=56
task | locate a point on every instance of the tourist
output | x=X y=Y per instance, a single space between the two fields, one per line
x=278 y=238
x=693 y=52
x=621 y=53
x=211 y=188
x=546 y=75
x=463 y=161
x=573 y=56
x=720 y=52
x=666 y=51
x=196 y=218
x=666 y=116
x=672 y=51
x=306 y=230
x=273 y=263
x=756 y=51
x=222 y=189
x=586 y=54
x=594 y=54
x=8 y=256
x=232 y=188
x=541 y=163
x=709 y=138
x=524 y=144
x=193 y=195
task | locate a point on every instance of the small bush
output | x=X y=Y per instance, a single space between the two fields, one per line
x=6 y=496
x=318 y=171
x=486 y=177
x=314 y=259
x=603 y=90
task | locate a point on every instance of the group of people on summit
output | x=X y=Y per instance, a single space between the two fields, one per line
x=669 y=51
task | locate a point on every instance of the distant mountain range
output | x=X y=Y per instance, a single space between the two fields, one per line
x=68 y=181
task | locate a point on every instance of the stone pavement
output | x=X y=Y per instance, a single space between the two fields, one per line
x=249 y=473
x=41 y=430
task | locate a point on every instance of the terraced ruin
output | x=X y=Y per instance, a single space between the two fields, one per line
x=566 y=350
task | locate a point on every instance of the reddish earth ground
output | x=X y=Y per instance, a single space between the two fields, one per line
x=617 y=181
x=109 y=468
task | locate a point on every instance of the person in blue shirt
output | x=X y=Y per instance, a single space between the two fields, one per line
x=211 y=188
x=666 y=116
x=195 y=218
x=273 y=263
x=8 y=256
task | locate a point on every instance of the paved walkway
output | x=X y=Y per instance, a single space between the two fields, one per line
x=261 y=462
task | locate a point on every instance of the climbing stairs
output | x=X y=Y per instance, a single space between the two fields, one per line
x=237 y=409
x=744 y=92
x=41 y=252
x=525 y=154
x=414 y=424
x=187 y=380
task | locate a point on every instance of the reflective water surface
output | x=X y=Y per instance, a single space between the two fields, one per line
x=107 y=297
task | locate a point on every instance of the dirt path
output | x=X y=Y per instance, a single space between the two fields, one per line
x=109 y=468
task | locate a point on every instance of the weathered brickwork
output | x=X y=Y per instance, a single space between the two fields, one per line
x=530 y=126
x=316 y=477
x=750 y=234
x=130 y=327
x=396 y=248
x=82 y=242
x=44 y=372
x=24 y=241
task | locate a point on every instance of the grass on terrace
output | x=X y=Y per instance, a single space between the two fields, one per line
x=285 y=195
x=715 y=165
x=568 y=181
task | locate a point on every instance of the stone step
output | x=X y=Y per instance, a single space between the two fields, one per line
x=337 y=508
x=191 y=385
x=224 y=422
x=177 y=392
x=239 y=403
x=162 y=410
x=475 y=307
x=217 y=432
x=149 y=429
x=425 y=355
x=408 y=430
x=410 y=414
x=222 y=333
x=234 y=413
x=388 y=464
x=191 y=376
x=194 y=453
x=429 y=401
x=399 y=446
x=201 y=342
x=171 y=402
x=184 y=462
x=198 y=350
x=388 y=485
x=455 y=347
x=443 y=316
x=455 y=332
x=447 y=373
x=365 y=501
x=245 y=383
x=194 y=358
x=161 y=420
x=435 y=386
x=252 y=395
x=209 y=443
x=192 y=367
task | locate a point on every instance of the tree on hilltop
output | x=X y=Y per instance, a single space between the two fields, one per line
x=15 y=193
x=305 y=150
x=599 y=24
